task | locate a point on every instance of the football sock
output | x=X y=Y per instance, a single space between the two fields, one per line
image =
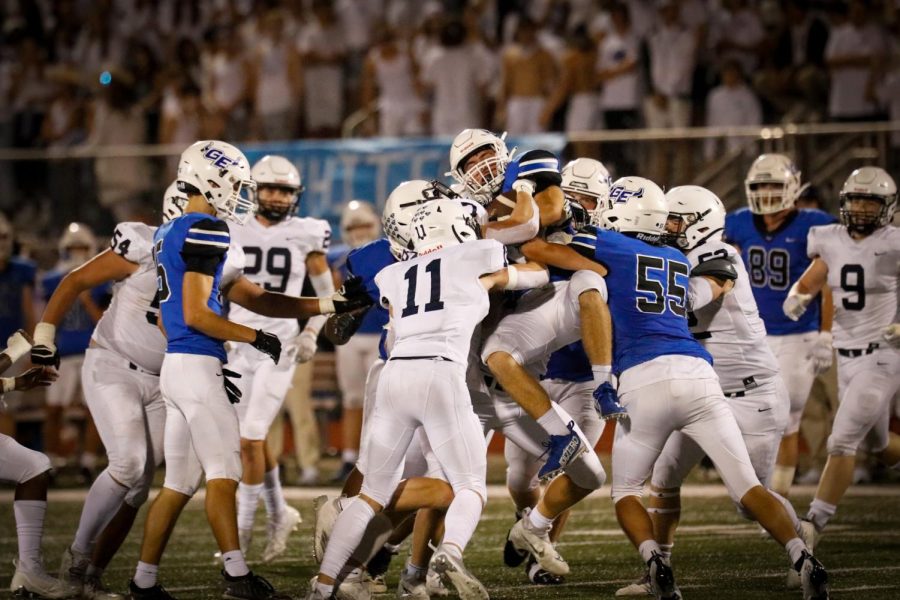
x=234 y=562
x=145 y=575
x=348 y=531
x=553 y=423
x=248 y=499
x=648 y=548
x=462 y=518
x=273 y=496
x=820 y=512
x=666 y=551
x=102 y=503
x=538 y=522
x=795 y=548
x=29 y=530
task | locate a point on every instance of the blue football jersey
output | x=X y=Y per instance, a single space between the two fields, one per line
x=193 y=242
x=774 y=261
x=569 y=363
x=73 y=335
x=647 y=288
x=366 y=262
x=19 y=273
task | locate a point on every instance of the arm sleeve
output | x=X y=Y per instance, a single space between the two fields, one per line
x=323 y=239
x=205 y=246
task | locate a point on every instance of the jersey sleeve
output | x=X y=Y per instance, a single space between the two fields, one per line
x=494 y=256
x=205 y=246
x=585 y=242
x=814 y=242
x=321 y=238
x=234 y=265
x=133 y=242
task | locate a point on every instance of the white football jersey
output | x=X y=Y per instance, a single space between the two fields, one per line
x=275 y=259
x=437 y=300
x=128 y=326
x=862 y=275
x=730 y=328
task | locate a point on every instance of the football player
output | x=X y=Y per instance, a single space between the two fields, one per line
x=30 y=471
x=202 y=433
x=858 y=260
x=666 y=381
x=76 y=246
x=771 y=237
x=280 y=250
x=729 y=328
x=436 y=299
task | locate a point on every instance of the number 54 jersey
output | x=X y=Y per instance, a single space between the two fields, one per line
x=775 y=260
x=275 y=259
x=862 y=275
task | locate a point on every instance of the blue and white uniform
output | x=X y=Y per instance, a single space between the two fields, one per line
x=202 y=435
x=666 y=379
x=774 y=260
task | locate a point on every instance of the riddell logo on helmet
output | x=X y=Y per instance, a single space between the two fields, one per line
x=218 y=158
x=619 y=194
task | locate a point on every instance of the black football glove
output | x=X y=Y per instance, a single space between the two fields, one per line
x=351 y=296
x=340 y=328
x=44 y=351
x=267 y=343
x=231 y=389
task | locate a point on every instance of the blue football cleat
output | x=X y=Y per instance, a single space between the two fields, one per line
x=607 y=402
x=561 y=450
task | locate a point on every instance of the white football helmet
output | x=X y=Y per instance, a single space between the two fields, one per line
x=359 y=224
x=587 y=177
x=174 y=202
x=6 y=238
x=868 y=183
x=637 y=205
x=695 y=216
x=440 y=224
x=77 y=244
x=399 y=210
x=768 y=170
x=221 y=174
x=484 y=179
x=279 y=172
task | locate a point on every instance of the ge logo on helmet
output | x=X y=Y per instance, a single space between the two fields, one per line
x=218 y=158
x=620 y=193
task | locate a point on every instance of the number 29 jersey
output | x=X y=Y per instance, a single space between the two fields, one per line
x=275 y=259
x=775 y=260
x=436 y=299
x=862 y=275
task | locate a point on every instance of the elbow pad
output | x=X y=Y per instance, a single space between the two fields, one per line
x=720 y=268
x=526 y=279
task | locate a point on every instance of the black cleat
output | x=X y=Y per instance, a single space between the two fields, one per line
x=662 y=579
x=250 y=587
x=539 y=576
x=157 y=592
x=378 y=564
x=512 y=556
x=813 y=577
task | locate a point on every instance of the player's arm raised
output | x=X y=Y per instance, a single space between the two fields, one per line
x=804 y=289
x=106 y=266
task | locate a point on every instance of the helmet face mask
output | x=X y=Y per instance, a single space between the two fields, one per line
x=696 y=215
x=478 y=160
x=220 y=173
x=868 y=200
x=772 y=184
x=278 y=187
x=399 y=210
x=441 y=224
x=586 y=181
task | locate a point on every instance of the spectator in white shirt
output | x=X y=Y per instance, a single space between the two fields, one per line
x=323 y=50
x=852 y=53
x=226 y=75
x=731 y=104
x=389 y=83
x=276 y=80
x=618 y=64
x=737 y=34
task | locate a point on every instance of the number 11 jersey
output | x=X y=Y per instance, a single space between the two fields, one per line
x=275 y=259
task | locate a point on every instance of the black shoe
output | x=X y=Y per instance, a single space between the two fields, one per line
x=157 y=592
x=512 y=557
x=539 y=576
x=662 y=579
x=250 y=587
x=378 y=565
x=813 y=577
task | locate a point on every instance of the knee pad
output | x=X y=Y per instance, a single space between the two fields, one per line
x=352 y=400
x=586 y=471
x=584 y=281
x=254 y=429
x=36 y=464
x=624 y=490
x=665 y=473
x=521 y=479
x=840 y=444
x=474 y=484
x=128 y=469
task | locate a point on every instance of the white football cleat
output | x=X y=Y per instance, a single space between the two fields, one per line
x=451 y=568
x=524 y=539
x=73 y=566
x=39 y=584
x=279 y=532
x=95 y=590
x=326 y=514
x=639 y=587
x=434 y=585
x=412 y=587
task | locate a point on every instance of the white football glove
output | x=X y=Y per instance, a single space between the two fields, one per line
x=306 y=346
x=17 y=345
x=795 y=304
x=822 y=353
x=891 y=335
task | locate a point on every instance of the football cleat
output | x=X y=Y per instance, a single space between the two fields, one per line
x=250 y=587
x=813 y=577
x=434 y=585
x=561 y=450
x=810 y=537
x=73 y=566
x=662 y=579
x=378 y=564
x=326 y=513
x=606 y=401
x=355 y=586
x=524 y=539
x=451 y=568
x=539 y=576
x=157 y=592
x=412 y=587
x=94 y=589
x=639 y=587
x=278 y=533
x=40 y=584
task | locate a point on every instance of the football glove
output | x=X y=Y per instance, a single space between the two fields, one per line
x=306 y=345
x=795 y=304
x=822 y=354
x=891 y=335
x=267 y=343
x=351 y=295
x=340 y=328
x=231 y=389
x=17 y=345
x=44 y=351
x=532 y=172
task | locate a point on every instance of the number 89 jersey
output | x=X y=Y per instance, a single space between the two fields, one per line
x=275 y=259
x=862 y=275
x=775 y=260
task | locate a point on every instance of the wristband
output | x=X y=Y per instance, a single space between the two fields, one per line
x=44 y=334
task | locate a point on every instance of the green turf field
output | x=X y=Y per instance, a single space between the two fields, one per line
x=717 y=555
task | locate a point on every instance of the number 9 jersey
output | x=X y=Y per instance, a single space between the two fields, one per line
x=862 y=275
x=775 y=260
